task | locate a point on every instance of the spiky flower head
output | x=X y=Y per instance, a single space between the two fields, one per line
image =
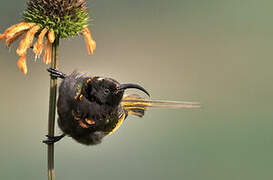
x=49 y=20
x=65 y=17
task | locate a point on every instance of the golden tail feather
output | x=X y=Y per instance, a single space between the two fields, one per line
x=137 y=105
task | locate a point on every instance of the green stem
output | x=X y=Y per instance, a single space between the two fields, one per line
x=52 y=111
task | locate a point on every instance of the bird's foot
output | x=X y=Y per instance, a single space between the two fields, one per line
x=52 y=140
x=54 y=73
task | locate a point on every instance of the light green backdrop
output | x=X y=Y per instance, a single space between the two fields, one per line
x=216 y=52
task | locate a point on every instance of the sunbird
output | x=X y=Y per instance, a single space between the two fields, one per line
x=92 y=107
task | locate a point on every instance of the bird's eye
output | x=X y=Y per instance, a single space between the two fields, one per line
x=106 y=91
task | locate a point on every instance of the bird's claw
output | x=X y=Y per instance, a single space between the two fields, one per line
x=54 y=73
x=53 y=139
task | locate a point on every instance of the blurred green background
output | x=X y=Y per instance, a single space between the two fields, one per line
x=216 y=52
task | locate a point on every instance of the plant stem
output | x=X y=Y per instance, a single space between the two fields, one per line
x=52 y=111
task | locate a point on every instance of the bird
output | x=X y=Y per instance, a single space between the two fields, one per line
x=92 y=107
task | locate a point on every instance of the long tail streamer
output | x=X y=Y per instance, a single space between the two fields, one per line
x=137 y=105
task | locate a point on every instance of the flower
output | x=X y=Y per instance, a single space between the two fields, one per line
x=48 y=20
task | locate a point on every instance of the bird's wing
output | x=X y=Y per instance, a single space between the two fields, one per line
x=137 y=105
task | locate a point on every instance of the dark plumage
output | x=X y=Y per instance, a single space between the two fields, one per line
x=90 y=108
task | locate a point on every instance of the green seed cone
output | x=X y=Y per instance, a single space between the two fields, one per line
x=65 y=17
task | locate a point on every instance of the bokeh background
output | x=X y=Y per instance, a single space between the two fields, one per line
x=217 y=52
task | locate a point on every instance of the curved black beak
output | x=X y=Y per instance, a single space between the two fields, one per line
x=135 y=86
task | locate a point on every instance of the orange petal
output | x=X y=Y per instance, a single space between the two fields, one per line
x=46 y=52
x=16 y=36
x=91 y=44
x=10 y=32
x=51 y=36
x=13 y=26
x=27 y=41
x=38 y=46
x=21 y=63
x=2 y=36
x=47 y=55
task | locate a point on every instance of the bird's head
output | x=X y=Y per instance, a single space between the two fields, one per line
x=108 y=91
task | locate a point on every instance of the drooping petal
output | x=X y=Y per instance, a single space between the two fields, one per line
x=2 y=36
x=15 y=29
x=16 y=36
x=38 y=46
x=10 y=32
x=90 y=43
x=46 y=52
x=27 y=41
x=21 y=63
x=47 y=55
x=51 y=36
